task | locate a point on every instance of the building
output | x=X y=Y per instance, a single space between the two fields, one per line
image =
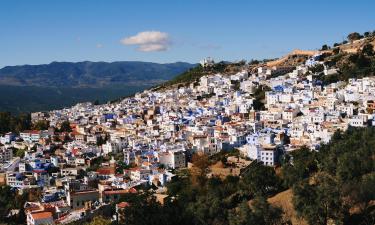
x=172 y=159
x=82 y=198
x=129 y=157
x=7 y=138
x=207 y=62
x=40 y=218
x=6 y=154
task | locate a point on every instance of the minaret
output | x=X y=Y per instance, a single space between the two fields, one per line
x=252 y=114
x=112 y=162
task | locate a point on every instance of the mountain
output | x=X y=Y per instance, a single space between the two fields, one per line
x=31 y=88
x=91 y=74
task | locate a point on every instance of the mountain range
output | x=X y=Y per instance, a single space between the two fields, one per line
x=30 y=88
x=91 y=74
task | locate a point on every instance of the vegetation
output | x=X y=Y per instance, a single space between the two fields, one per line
x=95 y=163
x=260 y=95
x=32 y=99
x=90 y=74
x=336 y=183
x=196 y=199
x=12 y=123
x=41 y=125
x=10 y=199
x=60 y=84
x=193 y=74
x=350 y=65
x=354 y=36
x=65 y=127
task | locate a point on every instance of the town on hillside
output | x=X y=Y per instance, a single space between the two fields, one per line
x=80 y=161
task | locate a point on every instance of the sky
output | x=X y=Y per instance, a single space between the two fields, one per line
x=42 y=31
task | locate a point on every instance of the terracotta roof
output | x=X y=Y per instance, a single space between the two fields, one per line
x=106 y=171
x=31 y=131
x=84 y=192
x=123 y=205
x=119 y=191
x=41 y=215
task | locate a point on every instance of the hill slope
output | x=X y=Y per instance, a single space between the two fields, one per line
x=31 y=88
x=90 y=74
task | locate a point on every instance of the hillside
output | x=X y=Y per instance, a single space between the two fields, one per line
x=91 y=74
x=31 y=88
x=284 y=201
x=193 y=74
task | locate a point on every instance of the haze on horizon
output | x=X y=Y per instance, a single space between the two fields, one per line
x=39 y=32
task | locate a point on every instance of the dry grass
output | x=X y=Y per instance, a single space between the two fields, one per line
x=284 y=201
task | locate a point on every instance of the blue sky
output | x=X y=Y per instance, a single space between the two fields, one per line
x=42 y=31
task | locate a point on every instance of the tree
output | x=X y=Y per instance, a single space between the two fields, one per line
x=259 y=95
x=253 y=62
x=344 y=181
x=324 y=47
x=101 y=141
x=242 y=215
x=98 y=220
x=20 y=153
x=264 y=213
x=10 y=199
x=201 y=168
x=336 y=50
x=65 y=127
x=259 y=179
x=41 y=125
x=354 y=36
x=368 y=50
x=319 y=203
x=318 y=68
x=260 y=213
x=143 y=209
x=11 y=123
x=299 y=165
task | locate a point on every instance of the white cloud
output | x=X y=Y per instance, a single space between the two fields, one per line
x=149 y=41
x=99 y=45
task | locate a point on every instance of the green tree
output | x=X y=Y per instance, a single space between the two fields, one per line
x=259 y=95
x=11 y=123
x=99 y=220
x=298 y=165
x=260 y=213
x=318 y=68
x=242 y=215
x=65 y=126
x=41 y=125
x=319 y=203
x=324 y=47
x=264 y=213
x=368 y=50
x=260 y=179
x=20 y=153
x=354 y=36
